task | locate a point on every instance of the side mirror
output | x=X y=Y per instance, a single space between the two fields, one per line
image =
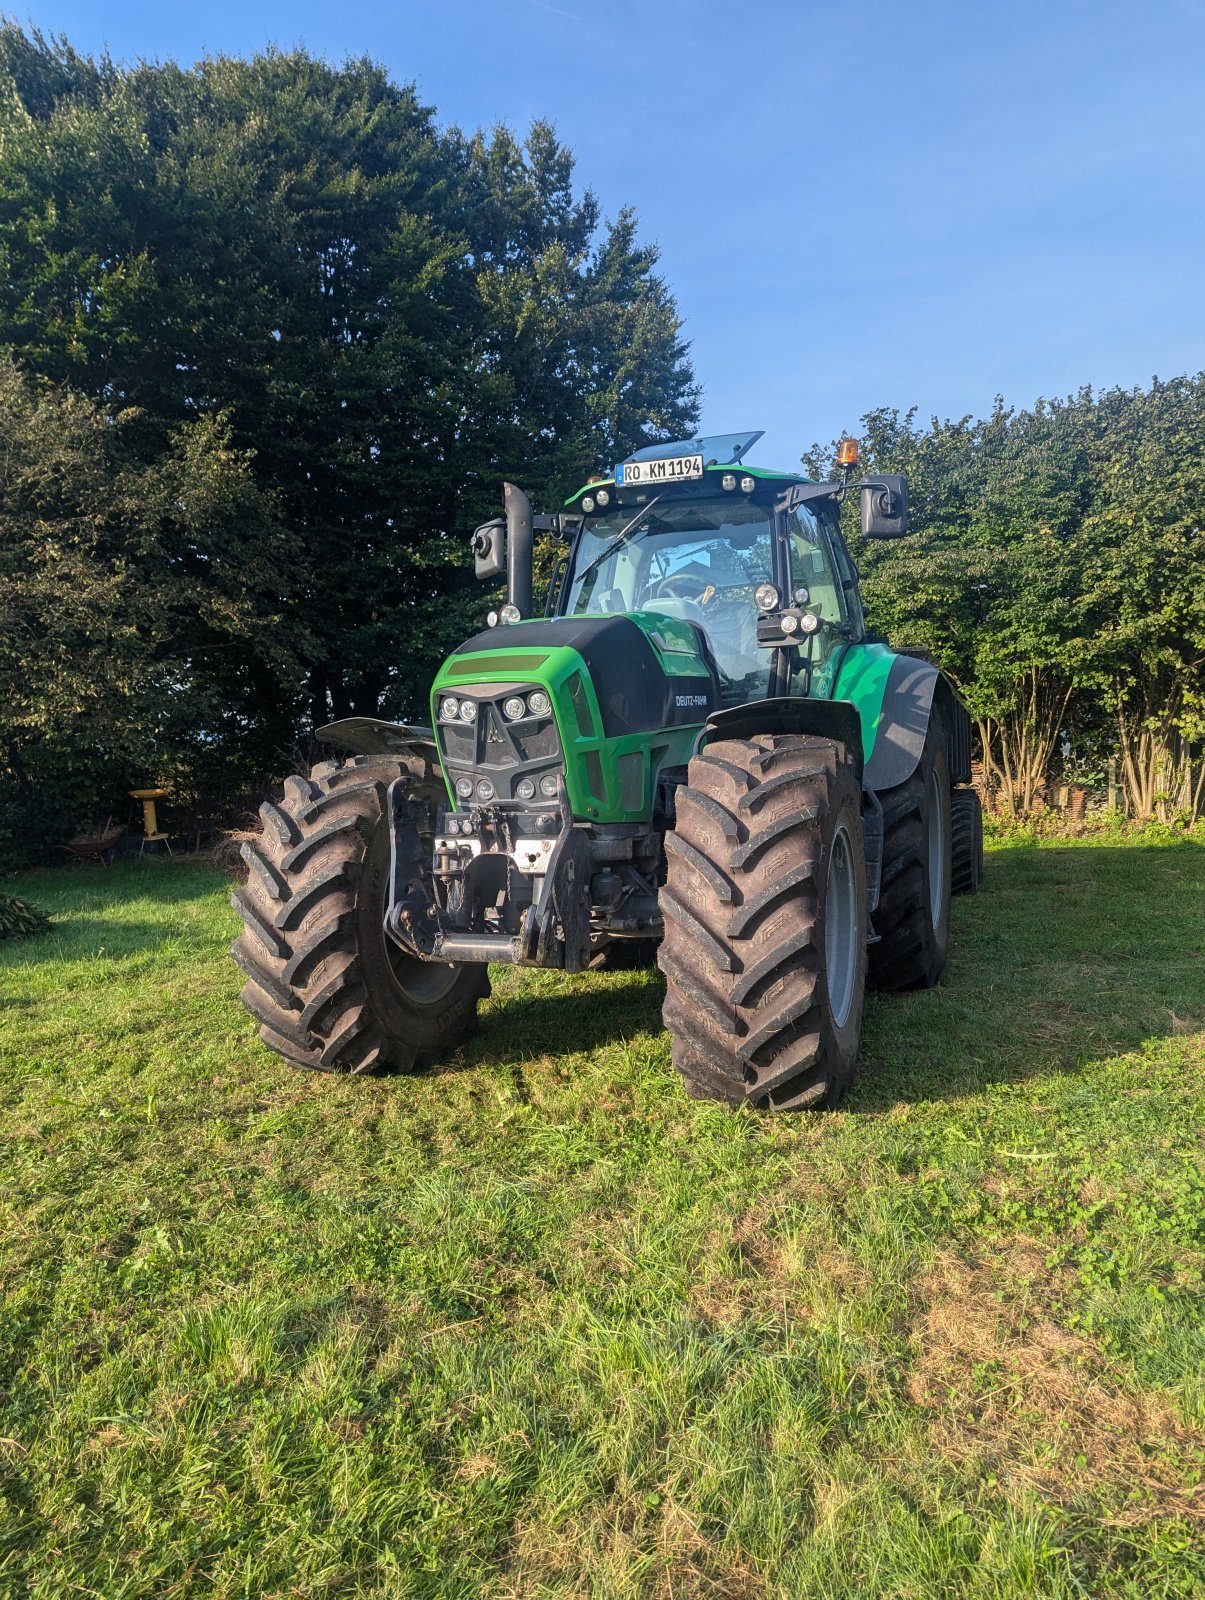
x=488 y=545
x=885 y=506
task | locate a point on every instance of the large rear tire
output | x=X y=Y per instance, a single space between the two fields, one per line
x=764 y=907
x=966 y=842
x=912 y=918
x=328 y=987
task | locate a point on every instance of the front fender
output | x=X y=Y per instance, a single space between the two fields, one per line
x=369 y=736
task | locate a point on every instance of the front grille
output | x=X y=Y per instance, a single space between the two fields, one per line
x=496 y=748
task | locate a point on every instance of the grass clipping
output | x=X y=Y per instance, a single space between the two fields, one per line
x=20 y=920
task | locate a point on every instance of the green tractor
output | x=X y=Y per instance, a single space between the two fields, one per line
x=698 y=755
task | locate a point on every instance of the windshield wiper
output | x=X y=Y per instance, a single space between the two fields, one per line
x=617 y=540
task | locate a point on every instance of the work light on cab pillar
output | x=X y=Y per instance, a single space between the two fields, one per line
x=696 y=756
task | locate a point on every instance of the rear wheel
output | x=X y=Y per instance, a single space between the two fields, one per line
x=330 y=990
x=764 y=908
x=912 y=918
x=966 y=841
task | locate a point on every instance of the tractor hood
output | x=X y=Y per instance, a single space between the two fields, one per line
x=647 y=671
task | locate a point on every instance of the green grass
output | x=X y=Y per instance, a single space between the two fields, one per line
x=535 y=1324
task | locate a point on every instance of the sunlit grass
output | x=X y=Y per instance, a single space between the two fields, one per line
x=535 y=1324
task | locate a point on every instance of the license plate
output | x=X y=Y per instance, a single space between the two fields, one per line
x=666 y=469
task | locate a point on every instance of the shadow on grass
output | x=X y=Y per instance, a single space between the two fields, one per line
x=1070 y=953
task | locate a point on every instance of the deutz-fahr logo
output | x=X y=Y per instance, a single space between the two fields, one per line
x=692 y=700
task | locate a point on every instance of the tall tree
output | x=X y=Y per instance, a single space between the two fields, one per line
x=389 y=317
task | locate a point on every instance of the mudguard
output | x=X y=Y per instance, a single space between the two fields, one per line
x=914 y=687
x=369 y=736
x=822 y=719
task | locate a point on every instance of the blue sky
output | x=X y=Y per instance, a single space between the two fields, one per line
x=928 y=202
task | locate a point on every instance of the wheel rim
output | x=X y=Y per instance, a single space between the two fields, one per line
x=421 y=983
x=841 y=927
x=937 y=851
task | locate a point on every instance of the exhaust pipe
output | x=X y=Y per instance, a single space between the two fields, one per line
x=518 y=548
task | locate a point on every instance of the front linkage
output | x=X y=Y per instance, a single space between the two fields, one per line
x=440 y=913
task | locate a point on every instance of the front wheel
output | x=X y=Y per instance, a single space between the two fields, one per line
x=328 y=987
x=764 y=908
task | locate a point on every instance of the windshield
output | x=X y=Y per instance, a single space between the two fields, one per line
x=700 y=560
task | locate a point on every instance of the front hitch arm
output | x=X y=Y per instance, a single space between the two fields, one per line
x=554 y=932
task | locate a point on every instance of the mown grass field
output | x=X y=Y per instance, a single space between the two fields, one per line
x=535 y=1324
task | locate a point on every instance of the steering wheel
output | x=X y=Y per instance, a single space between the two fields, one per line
x=675 y=588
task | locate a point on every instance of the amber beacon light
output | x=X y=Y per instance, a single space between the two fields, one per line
x=847 y=453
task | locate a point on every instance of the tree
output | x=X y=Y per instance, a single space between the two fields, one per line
x=133 y=629
x=383 y=318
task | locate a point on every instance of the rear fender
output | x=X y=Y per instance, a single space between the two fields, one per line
x=916 y=687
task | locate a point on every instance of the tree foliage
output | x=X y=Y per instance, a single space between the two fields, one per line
x=280 y=279
x=1054 y=566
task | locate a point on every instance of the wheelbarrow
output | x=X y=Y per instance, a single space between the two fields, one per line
x=97 y=845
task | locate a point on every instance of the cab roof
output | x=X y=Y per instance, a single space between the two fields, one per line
x=720 y=451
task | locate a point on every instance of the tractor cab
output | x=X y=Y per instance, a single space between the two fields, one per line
x=687 y=531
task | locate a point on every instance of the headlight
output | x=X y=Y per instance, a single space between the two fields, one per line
x=464 y=787
x=748 y=485
x=510 y=613
x=515 y=707
x=468 y=711
x=728 y=481
x=790 y=624
x=588 y=504
x=765 y=597
x=485 y=789
x=539 y=703
x=525 y=789
x=603 y=497
x=810 y=622
x=449 y=708
x=548 y=784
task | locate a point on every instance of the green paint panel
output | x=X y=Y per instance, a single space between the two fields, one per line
x=862 y=679
x=587 y=755
x=500 y=662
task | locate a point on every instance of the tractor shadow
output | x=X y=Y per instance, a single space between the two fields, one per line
x=572 y=1015
x=1068 y=955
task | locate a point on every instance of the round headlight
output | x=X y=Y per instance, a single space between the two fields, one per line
x=491 y=619
x=449 y=707
x=514 y=707
x=464 y=787
x=728 y=481
x=485 y=789
x=468 y=711
x=800 y=596
x=588 y=504
x=548 y=784
x=539 y=703
x=510 y=613
x=765 y=597
x=810 y=622
x=748 y=485
x=790 y=623
x=603 y=498
x=525 y=789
